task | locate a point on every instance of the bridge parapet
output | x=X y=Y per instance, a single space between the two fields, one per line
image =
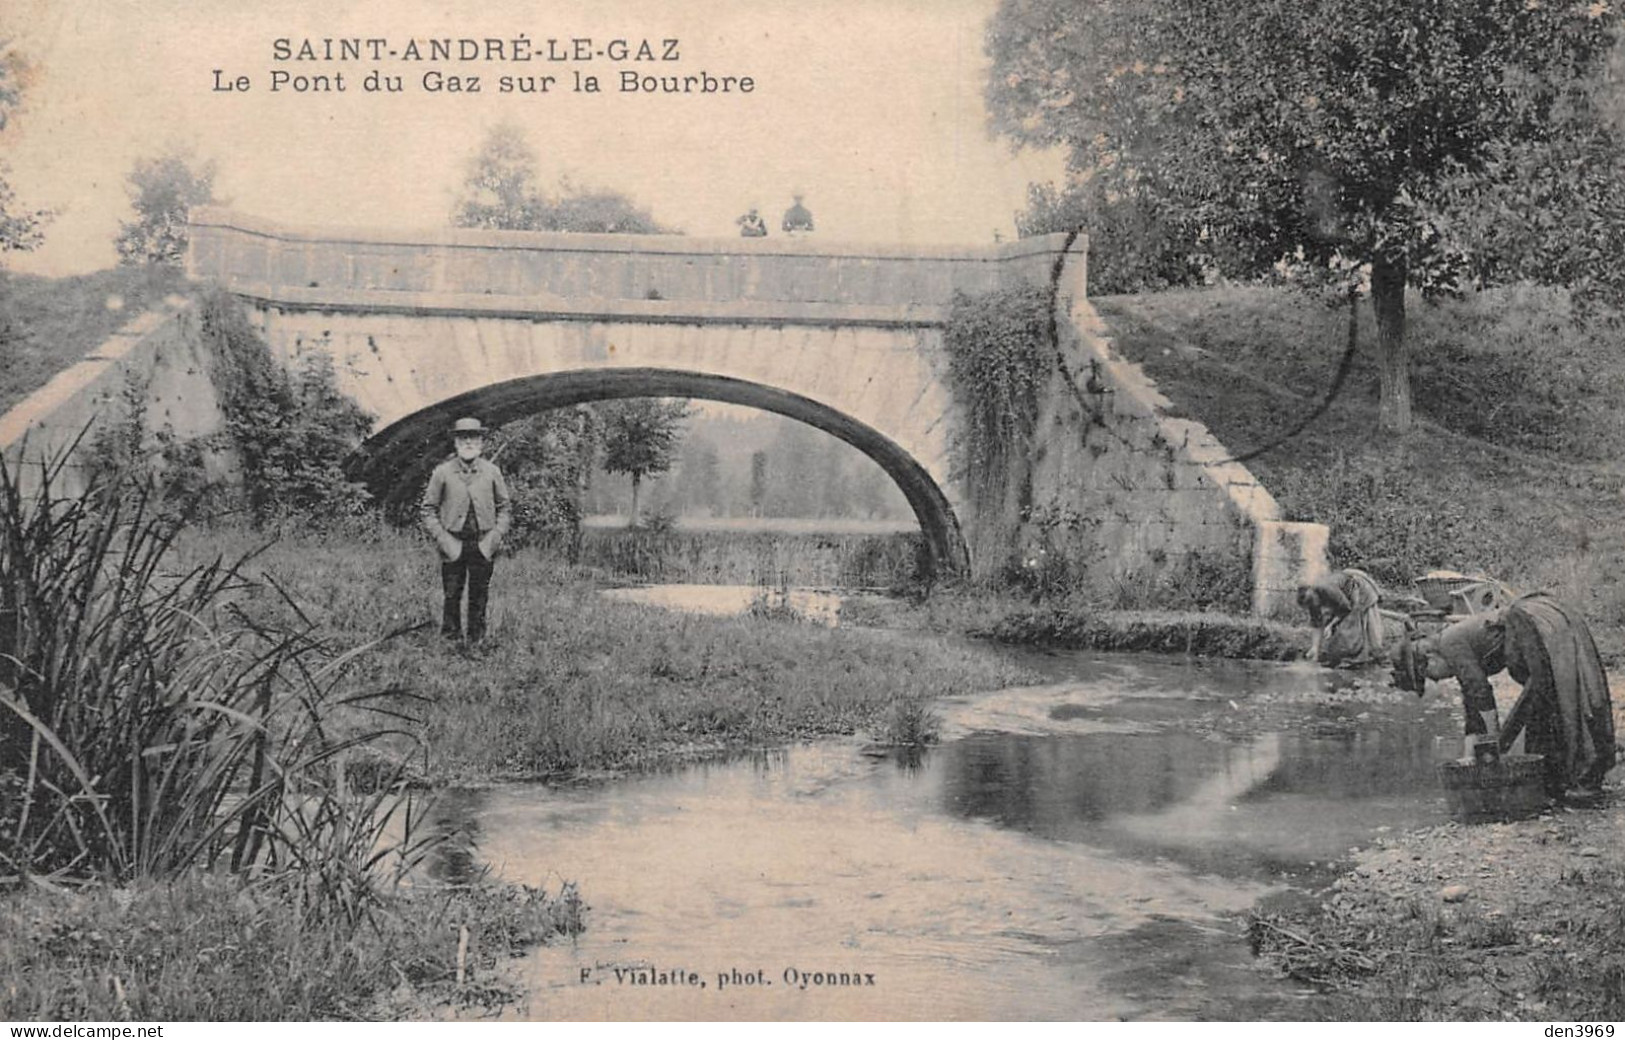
x=557 y=272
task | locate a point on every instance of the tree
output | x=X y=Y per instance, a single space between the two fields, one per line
x=792 y=485
x=641 y=438
x=697 y=477
x=547 y=459
x=599 y=212
x=162 y=192
x=707 y=480
x=758 y=482
x=1135 y=244
x=1340 y=139
x=870 y=495
x=20 y=230
x=502 y=192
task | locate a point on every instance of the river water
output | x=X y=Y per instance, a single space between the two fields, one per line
x=1087 y=848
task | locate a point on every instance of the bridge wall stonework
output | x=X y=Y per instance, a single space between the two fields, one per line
x=847 y=337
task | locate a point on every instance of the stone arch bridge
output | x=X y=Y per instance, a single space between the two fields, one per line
x=423 y=327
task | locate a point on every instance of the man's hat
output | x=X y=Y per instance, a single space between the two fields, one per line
x=472 y=426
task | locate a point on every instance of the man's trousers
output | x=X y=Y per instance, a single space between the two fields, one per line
x=474 y=570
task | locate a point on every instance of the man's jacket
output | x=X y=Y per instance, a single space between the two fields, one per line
x=455 y=484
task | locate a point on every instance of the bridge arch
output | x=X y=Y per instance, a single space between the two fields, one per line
x=395 y=461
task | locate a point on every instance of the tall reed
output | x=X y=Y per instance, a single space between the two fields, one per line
x=152 y=718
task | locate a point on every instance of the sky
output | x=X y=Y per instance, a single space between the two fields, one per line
x=870 y=108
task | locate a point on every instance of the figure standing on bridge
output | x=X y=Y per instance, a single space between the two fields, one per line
x=751 y=225
x=465 y=507
x=797 y=218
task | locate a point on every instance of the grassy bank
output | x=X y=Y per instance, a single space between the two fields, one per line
x=252 y=867
x=1510 y=471
x=1074 y=624
x=569 y=682
x=1201 y=635
x=48 y=324
x=204 y=947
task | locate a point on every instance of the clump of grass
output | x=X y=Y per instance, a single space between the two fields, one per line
x=1306 y=955
x=773 y=605
x=910 y=722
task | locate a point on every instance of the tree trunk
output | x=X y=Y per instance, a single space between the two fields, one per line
x=1393 y=359
x=637 y=479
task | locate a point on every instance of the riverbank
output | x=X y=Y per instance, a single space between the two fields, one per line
x=569 y=683
x=1077 y=625
x=1521 y=921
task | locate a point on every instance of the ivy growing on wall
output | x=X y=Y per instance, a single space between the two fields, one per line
x=998 y=363
x=291 y=430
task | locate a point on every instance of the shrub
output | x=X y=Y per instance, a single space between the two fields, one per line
x=545 y=458
x=292 y=432
x=158 y=463
x=1204 y=580
x=542 y=515
x=658 y=521
x=911 y=722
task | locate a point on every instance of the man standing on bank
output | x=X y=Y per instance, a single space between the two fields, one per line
x=465 y=508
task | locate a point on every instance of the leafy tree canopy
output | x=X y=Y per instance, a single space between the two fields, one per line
x=1431 y=144
x=503 y=192
x=20 y=229
x=641 y=436
x=162 y=192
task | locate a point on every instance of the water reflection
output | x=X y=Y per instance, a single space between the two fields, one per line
x=1269 y=806
x=1054 y=785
